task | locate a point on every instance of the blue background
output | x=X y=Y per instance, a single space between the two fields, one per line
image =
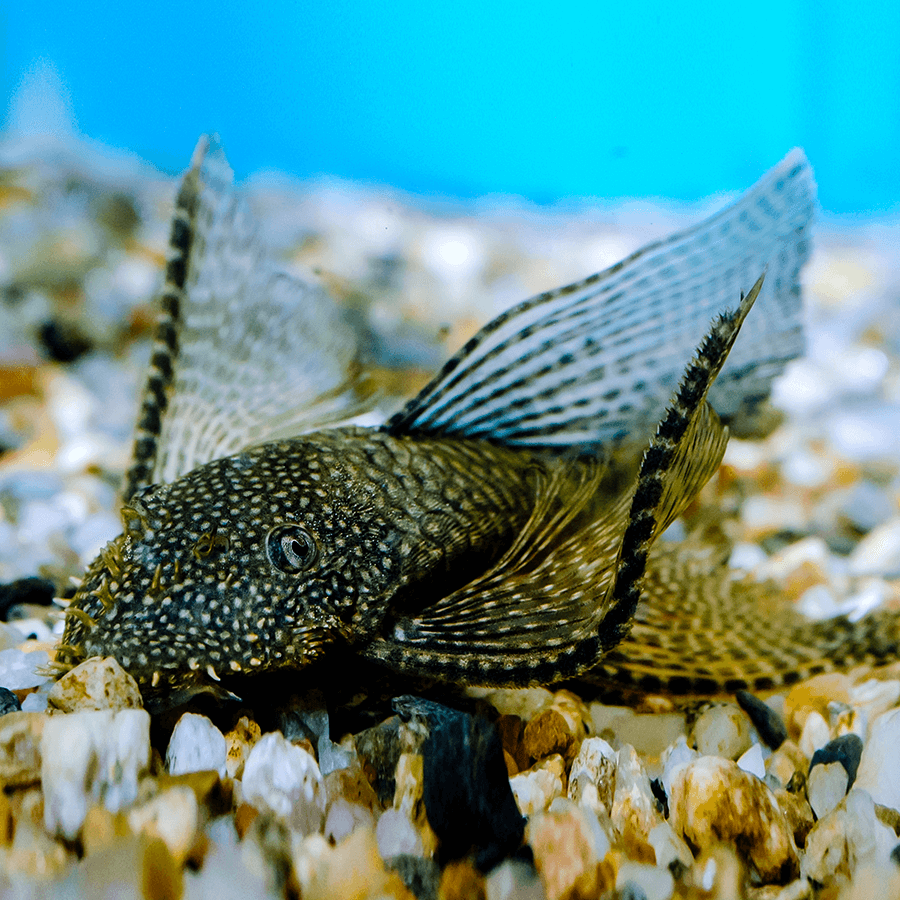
x=544 y=100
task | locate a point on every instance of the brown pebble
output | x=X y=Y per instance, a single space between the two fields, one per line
x=565 y=854
x=814 y=694
x=239 y=741
x=96 y=683
x=787 y=760
x=244 y=817
x=461 y=881
x=714 y=801
x=161 y=876
x=7 y=824
x=511 y=728
x=798 y=813
x=20 y=748
x=210 y=790
x=557 y=729
x=102 y=829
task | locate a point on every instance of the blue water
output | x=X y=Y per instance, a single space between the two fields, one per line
x=544 y=100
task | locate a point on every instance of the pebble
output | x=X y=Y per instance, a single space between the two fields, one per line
x=878 y=553
x=815 y=734
x=642 y=880
x=19 y=670
x=511 y=880
x=238 y=743
x=173 y=815
x=846 y=750
x=878 y=772
x=90 y=757
x=826 y=787
x=648 y=733
x=95 y=684
x=422 y=876
x=557 y=729
x=797 y=812
x=669 y=847
x=712 y=800
x=343 y=816
x=850 y=833
x=285 y=779
x=395 y=833
x=768 y=724
x=634 y=813
x=20 y=748
x=352 y=870
x=466 y=789
x=525 y=703
x=566 y=851
x=9 y=702
x=875 y=696
x=752 y=761
x=592 y=777
x=722 y=730
x=865 y=506
x=196 y=745
x=460 y=880
x=677 y=755
x=785 y=761
x=535 y=789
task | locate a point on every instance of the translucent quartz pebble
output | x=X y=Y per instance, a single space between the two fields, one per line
x=196 y=745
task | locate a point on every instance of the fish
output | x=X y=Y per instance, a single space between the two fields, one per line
x=501 y=527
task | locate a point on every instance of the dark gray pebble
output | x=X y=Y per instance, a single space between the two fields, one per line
x=25 y=590
x=766 y=721
x=9 y=702
x=846 y=750
x=466 y=791
x=379 y=750
x=422 y=876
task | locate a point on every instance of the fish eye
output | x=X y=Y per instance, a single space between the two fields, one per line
x=291 y=548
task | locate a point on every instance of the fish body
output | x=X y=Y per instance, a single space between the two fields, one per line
x=500 y=528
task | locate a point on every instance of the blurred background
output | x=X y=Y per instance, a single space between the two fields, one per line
x=469 y=99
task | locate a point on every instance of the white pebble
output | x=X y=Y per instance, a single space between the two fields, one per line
x=285 y=779
x=815 y=734
x=722 y=730
x=19 y=670
x=196 y=745
x=396 y=834
x=849 y=833
x=826 y=787
x=668 y=846
x=679 y=754
x=747 y=556
x=343 y=817
x=652 y=882
x=513 y=880
x=878 y=771
x=89 y=757
x=752 y=761
x=878 y=553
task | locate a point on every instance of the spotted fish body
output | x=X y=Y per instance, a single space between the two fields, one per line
x=499 y=529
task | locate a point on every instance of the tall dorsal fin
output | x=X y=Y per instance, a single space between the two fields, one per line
x=595 y=362
x=243 y=352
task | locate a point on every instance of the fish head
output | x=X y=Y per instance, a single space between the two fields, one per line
x=247 y=564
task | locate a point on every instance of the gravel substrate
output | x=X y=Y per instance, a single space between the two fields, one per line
x=497 y=794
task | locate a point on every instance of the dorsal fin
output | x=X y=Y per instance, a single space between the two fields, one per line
x=243 y=352
x=596 y=361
